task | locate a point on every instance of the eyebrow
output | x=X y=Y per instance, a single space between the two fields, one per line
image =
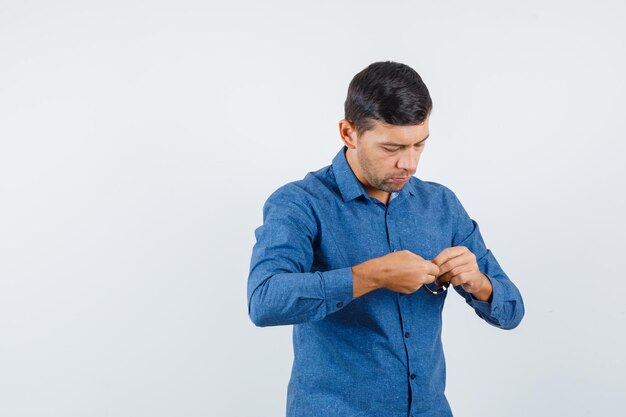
x=400 y=145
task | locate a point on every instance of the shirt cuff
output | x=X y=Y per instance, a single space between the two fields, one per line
x=490 y=308
x=338 y=288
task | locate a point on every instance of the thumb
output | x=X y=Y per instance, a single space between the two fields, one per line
x=433 y=269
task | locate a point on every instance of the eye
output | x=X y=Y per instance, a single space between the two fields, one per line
x=390 y=149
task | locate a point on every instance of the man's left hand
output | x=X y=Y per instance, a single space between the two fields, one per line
x=458 y=266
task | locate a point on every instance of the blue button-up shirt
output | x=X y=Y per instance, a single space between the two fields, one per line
x=379 y=354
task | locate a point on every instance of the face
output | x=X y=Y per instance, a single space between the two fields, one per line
x=386 y=156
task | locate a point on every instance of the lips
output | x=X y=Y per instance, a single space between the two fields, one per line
x=400 y=180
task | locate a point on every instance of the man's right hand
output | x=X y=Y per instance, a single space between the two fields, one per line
x=402 y=271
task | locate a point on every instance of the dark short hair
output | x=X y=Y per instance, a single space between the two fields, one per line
x=389 y=92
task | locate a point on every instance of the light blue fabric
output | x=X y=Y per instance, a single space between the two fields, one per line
x=379 y=354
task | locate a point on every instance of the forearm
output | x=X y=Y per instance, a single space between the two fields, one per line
x=366 y=277
x=486 y=291
x=292 y=298
x=504 y=308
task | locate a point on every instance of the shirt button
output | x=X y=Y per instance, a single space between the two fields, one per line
x=339 y=304
x=412 y=376
x=407 y=334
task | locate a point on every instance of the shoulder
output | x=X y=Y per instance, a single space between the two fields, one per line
x=300 y=198
x=301 y=190
x=288 y=196
x=305 y=191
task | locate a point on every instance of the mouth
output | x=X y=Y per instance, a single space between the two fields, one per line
x=400 y=180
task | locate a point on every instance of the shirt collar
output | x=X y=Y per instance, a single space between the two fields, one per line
x=349 y=185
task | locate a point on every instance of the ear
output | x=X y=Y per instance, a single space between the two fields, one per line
x=348 y=133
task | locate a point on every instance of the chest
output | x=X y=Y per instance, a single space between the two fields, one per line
x=360 y=232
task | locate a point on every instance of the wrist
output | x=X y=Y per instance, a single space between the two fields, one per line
x=366 y=278
x=485 y=293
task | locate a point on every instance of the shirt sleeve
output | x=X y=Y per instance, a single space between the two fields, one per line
x=506 y=308
x=282 y=289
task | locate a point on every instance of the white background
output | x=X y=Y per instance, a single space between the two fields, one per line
x=139 y=141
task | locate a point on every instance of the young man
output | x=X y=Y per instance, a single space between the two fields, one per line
x=358 y=256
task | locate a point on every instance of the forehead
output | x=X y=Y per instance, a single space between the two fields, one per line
x=409 y=134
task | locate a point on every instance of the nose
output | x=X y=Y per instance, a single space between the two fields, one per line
x=408 y=160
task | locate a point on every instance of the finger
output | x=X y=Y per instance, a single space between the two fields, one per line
x=448 y=253
x=429 y=279
x=459 y=279
x=455 y=273
x=432 y=269
x=463 y=276
x=442 y=279
x=455 y=262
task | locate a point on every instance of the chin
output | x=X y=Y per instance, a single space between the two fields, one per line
x=392 y=188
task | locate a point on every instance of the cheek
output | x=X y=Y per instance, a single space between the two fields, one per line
x=375 y=162
x=382 y=168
